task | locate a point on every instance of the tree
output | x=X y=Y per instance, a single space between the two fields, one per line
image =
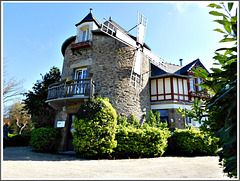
x=223 y=83
x=19 y=118
x=42 y=114
x=197 y=113
x=12 y=88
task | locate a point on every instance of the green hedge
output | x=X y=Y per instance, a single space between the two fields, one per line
x=45 y=140
x=193 y=142
x=145 y=142
x=95 y=126
x=18 y=140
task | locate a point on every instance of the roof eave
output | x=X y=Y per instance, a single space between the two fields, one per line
x=169 y=75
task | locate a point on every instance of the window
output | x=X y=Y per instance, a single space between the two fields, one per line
x=80 y=87
x=85 y=35
x=81 y=74
x=192 y=85
x=164 y=115
x=199 y=82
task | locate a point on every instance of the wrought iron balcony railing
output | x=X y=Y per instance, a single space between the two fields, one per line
x=84 y=87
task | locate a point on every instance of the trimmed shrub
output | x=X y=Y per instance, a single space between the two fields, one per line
x=18 y=140
x=136 y=141
x=45 y=140
x=95 y=127
x=194 y=142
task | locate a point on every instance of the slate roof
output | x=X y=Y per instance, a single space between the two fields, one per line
x=66 y=43
x=189 y=66
x=176 y=70
x=89 y=18
x=170 y=69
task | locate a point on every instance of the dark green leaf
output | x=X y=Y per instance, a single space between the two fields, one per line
x=230 y=5
x=227 y=26
x=228 y=39
x=215 y=13
x=233 y=49
x=219 y=30
x=234 y=28
x=213 y=5
x=223 y=22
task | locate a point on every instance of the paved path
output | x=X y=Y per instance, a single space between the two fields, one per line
x=22 y=163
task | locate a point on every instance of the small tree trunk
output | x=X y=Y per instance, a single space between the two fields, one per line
x=20 y=132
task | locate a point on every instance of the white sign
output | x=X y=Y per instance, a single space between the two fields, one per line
x=60 y=124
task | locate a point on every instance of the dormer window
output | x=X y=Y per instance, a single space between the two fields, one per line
x=85 y=35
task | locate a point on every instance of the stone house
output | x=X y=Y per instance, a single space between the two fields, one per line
x=95 y=63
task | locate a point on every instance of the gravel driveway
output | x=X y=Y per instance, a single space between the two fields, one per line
x=21 y=162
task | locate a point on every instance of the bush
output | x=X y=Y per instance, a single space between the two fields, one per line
x=18 y=140
x=45 y=140
x=154 y=120
x=193 y=142
x=136 y=141
x=95 y=126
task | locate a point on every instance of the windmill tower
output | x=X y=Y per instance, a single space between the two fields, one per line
x=136 y=73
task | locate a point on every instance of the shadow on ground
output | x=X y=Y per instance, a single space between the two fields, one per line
x=26 y=154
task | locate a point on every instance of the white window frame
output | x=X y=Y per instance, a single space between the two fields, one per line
x=83 y=75
x=85 y=35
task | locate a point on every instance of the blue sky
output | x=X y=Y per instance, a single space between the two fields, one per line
x=33 y=33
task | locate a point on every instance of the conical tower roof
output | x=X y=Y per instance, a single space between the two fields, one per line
x=89 y=18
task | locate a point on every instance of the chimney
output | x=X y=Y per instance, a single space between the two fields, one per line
x=90 y=10
x=180 y=60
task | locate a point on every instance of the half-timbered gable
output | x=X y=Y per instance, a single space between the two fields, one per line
x=174 y=87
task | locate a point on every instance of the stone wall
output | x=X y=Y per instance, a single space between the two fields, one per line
x=179 y=121
x=109 y=65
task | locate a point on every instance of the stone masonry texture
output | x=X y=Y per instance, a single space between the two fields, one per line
x=110 y=69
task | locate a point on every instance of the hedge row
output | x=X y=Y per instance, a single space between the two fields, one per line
x=99 y=133
x=193 y=142
x=45 y=140
x=140 y=142
x=18 y=140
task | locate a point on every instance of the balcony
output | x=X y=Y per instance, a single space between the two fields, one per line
x=81 y=45
x=70 y=92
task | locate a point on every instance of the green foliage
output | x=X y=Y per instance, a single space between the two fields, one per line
x=197 y=113
x=45 y=140
x=18 y=140
x=134 y=122
x=95 y=126
x=154 y=120
x=20 y=120
x=135 y=142
x=193 y=142
x=42 y=114
x=223 y=84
